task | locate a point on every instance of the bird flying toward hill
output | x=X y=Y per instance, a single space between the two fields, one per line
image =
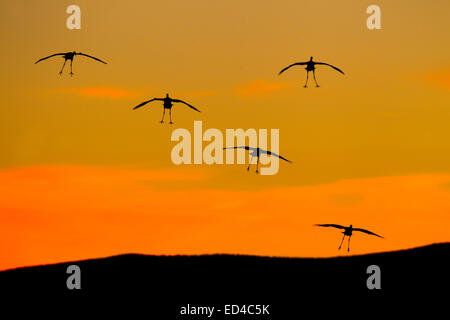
x=69 y=56
x=348 y=231
x=167 y=104
x=311 y=66
x=256 y=152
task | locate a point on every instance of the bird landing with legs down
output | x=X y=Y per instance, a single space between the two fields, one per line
x=348 y=231
x=256 y=153
x=69 y=56
x=167 y=104
x=310 y=66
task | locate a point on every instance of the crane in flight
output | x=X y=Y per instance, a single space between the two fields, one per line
x=256 y=152
x=167 y=104
x=310 y=66
x=348 y=231
x=69 y=56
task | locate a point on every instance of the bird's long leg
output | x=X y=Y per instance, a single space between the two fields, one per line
x=307 y=75
x=314 y=75
x=348 y=248
x=164 y=112
x=257 y=163
x=170 y=115
x=249 y=163
x=341 y=242
x=60 y=72
x=71 y=73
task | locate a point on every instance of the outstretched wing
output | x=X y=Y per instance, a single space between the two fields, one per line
x=252 y=150
x=331 y=225
x=335 y=68
x=86 y=55
x=145 y=102
x=242 y=147
x=294 y=64
x=274 y=154
x=367 y=231
x=181 y=101
x=56 y=54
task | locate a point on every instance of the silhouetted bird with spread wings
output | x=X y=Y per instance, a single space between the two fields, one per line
x=348 y=231
x=256 y=152
x=167 y=104
x=311 y=66
x=69 y=56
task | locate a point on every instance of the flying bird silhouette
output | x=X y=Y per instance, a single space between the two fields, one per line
x=256 y=152
x=69 y=56
x=167 y=104
x=348 y=231
x=310 y=66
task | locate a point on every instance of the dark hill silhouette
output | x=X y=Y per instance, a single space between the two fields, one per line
x=165 y=283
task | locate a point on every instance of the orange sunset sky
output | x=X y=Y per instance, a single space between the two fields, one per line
x=83 y=176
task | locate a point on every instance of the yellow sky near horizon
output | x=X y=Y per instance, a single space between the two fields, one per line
x=389 y=109
x=386 y=118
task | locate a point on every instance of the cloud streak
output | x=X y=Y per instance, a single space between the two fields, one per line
x=438 y=78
